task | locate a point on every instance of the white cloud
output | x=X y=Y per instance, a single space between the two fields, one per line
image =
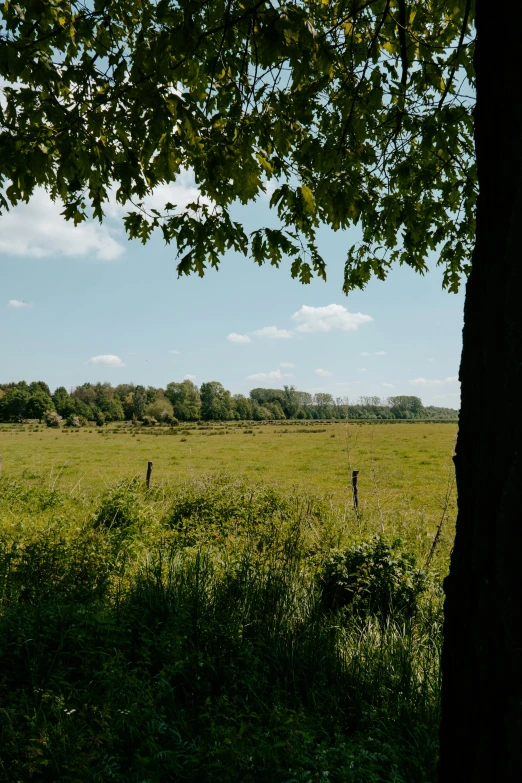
x=364 y=353
x=380 y=353
x=273 y=332
x=433 y=381
x=431 y=360
x=233 y=337
x=106 y=360
x=189 y=377
x=274 y=375
x=323 y=373
x=324 y=319
x=287 y=365
x=180 y=193
x=38 y=230
x=18 y=304
x=176 y=353
x=362 y=369
x=388 y=385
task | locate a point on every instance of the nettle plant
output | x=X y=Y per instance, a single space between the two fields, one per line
x=373 y=578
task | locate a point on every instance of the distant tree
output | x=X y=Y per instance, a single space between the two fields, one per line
x=262 y=395
x=14 y=402
x=139 y=401
x=38 y=403
x=41 y=386
x=216 y=402
x=243 y=406
x=61 y=399
x=290 y=402
x=275 y=410
x=185 y=399
x=114 y=410
x=375 y=402
x=76 y=407
x=122 y=390
x=260 y=412
x=86 y=393
x=323 y=405
x=406 y=407
x=305 y=400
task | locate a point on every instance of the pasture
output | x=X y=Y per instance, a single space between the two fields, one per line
x=403 y=479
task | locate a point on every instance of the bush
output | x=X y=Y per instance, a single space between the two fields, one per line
x=122 y=506
x=76 y=421
x=227 y=505
x=52 y=419
x=149 y=421
x=161 y=409
x=373 y=578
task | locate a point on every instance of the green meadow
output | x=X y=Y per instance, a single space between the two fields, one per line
x=236 y=621
x=403 y=468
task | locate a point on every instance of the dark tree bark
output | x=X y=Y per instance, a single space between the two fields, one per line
x=481 y=731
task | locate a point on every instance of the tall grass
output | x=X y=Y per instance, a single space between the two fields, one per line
x=187 y=634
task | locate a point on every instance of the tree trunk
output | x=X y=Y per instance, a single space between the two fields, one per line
x=481 y=730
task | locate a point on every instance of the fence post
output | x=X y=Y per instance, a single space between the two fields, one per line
x=149 y=471
x=355 y=490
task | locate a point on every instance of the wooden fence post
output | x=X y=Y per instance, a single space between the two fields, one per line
x=149 y=471
x=355 y=490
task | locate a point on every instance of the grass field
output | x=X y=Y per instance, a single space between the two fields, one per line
x=235 y=622
x=404 y=468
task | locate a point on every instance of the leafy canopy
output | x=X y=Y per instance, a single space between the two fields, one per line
x=356 y=112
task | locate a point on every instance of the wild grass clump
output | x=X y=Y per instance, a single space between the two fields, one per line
x=225 y=504
x=123 y=506
x=204 y=658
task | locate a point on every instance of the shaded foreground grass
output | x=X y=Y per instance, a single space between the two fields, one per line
x=152 y=635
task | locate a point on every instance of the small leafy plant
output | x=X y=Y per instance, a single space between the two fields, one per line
x=373 y=578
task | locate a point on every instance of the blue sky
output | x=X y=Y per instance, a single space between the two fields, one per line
x=70 y=297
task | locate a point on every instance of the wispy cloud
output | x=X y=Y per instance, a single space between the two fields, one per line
x=176 y=353
x=273 y=332
x=273 y=375
x=19 y=304
x=323 y=373
x=434 y=381
x=106 y=360
x=189 y=377
x=287 y=365
x=234 y=337
x=380 y=353
x=364 y=353
x=388 y=385
x=325 y=319
x=362 y=369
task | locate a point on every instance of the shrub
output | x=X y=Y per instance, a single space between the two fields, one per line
x=372 y=578
x=149 y=421
x=76 y=421
x=52 y=419
x=122 y=506
x=226 y=505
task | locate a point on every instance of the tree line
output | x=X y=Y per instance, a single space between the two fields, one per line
x=185 y=401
